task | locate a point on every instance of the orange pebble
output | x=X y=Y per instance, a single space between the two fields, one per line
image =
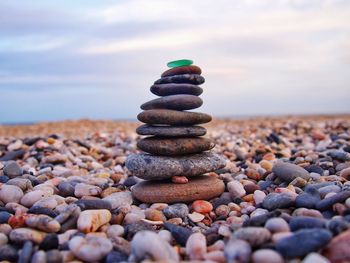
x=179 y=179
x=202 y=206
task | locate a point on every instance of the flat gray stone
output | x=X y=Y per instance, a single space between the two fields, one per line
x=175 y=88
x=171 y=131
x=173 y=117
x=150 y=167
x=184 y=78
x=174 y=102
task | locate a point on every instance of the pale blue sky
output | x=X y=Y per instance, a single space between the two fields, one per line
x=97 y=59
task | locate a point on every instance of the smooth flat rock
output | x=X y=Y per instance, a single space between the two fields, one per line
x=198 y=188
x=184 y=78
x=174 y=146
x=174 y=88
x=171 y=131
x=151 y=167
x=174 y=102
x=288 y=171
x=173 y=117
x=182 y=70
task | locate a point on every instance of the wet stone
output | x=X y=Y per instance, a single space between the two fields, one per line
x=174 y=102
x=198 y=188
x=311 y=240
x=192 y=69
x=172 y=117
x=174 y=146
x=171 y=131
x=175 y=88
x=184 y=78
x=150 y=167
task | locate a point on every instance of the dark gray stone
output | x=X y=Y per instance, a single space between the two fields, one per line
x=66 y=189
x=8 y=252
x=26 y=252
x=308 y=199
x=174 y=102
x=288 y=171
x=173 y=117
x=12 y=169
x=176 y=210
x=173 y=89
x=179 y=233
x=116 y=256
x=13 y=155
x=300 y=222
x=327 y=203
x=277 y=201
x=303 y=242
x=49 y=242
x=171 y=131
x=4 y=217
x=184 y=78
x=86 y=204
x=54 y=256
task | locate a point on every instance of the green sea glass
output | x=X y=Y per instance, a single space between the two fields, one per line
x=179 y=63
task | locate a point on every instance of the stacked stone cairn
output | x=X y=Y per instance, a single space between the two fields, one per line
x=177 y=156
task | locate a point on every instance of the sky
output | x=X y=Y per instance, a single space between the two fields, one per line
x=97 y=59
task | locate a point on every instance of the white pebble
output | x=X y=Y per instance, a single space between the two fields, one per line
x=196 y=246
x=236 y=189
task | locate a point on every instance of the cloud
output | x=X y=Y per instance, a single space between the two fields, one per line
x=257 y=56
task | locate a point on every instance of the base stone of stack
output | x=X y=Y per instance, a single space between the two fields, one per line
x=198 y=188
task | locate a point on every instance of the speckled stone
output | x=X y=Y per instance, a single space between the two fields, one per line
x=192 y=69
x=173 y=117
x=184 y=78
x=175 y=88
x=171 y=131
x=288 y=171
x=150 y=167
x=174 y=146
x=198 y=188
x=174 y=102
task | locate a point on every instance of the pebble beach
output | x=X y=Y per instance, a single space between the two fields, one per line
x=66 y=195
